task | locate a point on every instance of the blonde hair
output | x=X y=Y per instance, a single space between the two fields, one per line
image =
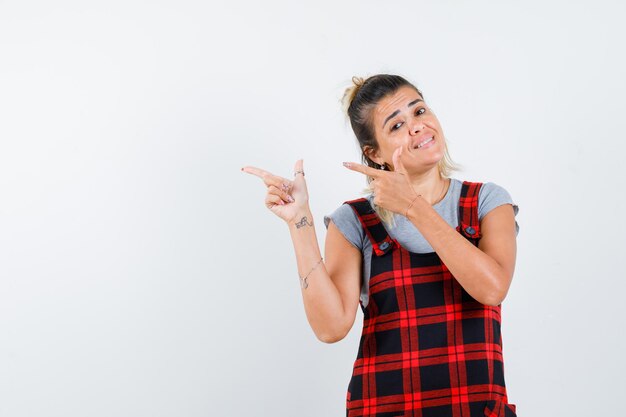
x=358 y=100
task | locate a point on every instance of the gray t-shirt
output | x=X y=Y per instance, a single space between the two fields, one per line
x=490 y=196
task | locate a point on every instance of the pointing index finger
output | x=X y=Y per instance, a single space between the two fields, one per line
x=261 y=173
x=363 y=169
x=269 y=178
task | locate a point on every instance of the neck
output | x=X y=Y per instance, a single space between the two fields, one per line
x=430 y=184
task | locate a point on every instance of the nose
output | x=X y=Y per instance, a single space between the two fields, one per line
x=416 y=127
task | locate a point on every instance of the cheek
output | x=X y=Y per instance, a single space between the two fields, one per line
x=389 y=144
x=433 y=123
x=395 y=145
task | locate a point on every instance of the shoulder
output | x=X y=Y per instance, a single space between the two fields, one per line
x=343 y=213
x=492 y=195
x=346 y=220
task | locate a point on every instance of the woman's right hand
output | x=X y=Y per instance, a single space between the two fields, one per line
x=284 y=198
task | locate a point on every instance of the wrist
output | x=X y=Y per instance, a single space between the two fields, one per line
x=414 y=208
x=302 y=218
x=411 y=204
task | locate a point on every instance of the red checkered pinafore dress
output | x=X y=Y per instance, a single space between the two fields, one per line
x=427 y=349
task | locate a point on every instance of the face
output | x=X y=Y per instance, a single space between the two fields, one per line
x=404 y=119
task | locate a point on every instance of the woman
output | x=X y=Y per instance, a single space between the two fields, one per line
x=429 y=258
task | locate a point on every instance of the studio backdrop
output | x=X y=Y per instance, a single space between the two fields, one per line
x=141 y=273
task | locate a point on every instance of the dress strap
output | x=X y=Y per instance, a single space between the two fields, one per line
x=373 y=226
x=469 y=226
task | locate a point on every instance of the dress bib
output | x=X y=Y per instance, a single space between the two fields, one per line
x=427 y=348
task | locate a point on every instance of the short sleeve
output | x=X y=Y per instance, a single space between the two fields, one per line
x=348 y=224
x=492 y=195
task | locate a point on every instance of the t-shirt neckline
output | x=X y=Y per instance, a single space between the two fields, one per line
x=445 y=197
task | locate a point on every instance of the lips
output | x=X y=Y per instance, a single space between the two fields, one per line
x=421 y=139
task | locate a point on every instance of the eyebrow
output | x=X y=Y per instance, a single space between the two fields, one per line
x=398 y=111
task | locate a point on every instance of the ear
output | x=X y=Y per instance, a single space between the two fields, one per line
x=372 y=154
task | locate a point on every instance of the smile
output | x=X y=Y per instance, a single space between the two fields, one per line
x=426 y=143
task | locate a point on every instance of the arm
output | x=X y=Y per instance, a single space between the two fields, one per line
x=486 y=271
x=332 y=295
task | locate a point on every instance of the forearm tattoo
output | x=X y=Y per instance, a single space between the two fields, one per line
x=303 y=222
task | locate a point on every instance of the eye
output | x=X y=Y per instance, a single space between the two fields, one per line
x=418 y=112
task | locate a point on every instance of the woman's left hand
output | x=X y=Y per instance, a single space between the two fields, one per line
x=392 y=189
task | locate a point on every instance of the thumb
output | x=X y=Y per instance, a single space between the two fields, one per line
x=298 y=170
x=397 y=160
x=300 y=188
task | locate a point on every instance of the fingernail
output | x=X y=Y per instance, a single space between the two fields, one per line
x=282 y=203
x=290 y=199
x=285 y=187
x=346 y=164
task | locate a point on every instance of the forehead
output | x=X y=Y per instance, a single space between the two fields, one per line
x=396 y=101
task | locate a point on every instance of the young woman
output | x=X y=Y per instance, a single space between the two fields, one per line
x=429 y=259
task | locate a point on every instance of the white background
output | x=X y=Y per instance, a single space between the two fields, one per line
x=142 y=275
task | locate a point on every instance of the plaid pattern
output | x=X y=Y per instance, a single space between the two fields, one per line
x=427 y=348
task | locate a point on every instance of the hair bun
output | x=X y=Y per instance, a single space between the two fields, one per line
x=358 y=81
x=350 y=92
